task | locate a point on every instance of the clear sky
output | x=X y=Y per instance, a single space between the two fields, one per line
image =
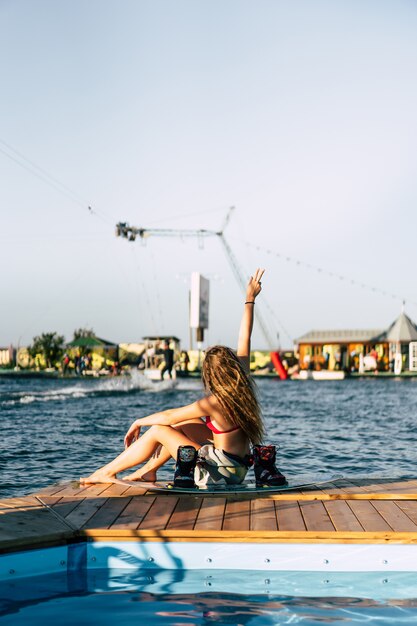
x=164 y=113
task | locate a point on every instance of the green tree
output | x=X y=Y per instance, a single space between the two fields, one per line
x=84 y=332
x=50 y=346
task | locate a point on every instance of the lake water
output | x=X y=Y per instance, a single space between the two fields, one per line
x=60 y=429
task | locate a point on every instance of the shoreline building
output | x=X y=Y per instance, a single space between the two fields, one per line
x=393 y=349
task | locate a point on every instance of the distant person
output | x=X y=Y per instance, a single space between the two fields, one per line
x=185 y=361
x=228 y=416
x=65 y=363
x=83 y=365
x=392 y=362
x=374 y=355
x=116 y=369
x=169 y=360
x=150 y=356
x=77 y=364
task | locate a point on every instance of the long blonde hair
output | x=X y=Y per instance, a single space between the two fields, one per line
x=224 y=376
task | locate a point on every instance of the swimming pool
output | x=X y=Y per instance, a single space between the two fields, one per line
x=69 y=584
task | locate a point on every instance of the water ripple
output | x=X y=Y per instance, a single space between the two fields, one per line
x=59 y=429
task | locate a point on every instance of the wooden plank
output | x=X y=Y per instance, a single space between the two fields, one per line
x=19 y=502
x=363 y=482
x=132 y=514
x=347 y=486
x=331 y=488
x=394 y=516
x=23 y=521
x=289 y=516
x=334 y=484
x=114 y=490
x=376 y=490
x=185 y=513
x=237 y=514
x=312 y=492
x=51 y=490
x=160 y=512
x=30 y=526
x=50 y=500
x=65 y=506
x=343 y=496
x=369 y=490
x=211 y=514
x=236 y=536
x=263 y=515
x=45 y=540
x=107 y=514
x=409 y=508
x=68 y=489
x=139 y=491
x=410 y=484
x=342 y=516
x=315 y=516
x=387 y=486
x=84 y=510
x=61 y=506
x=368 y=516
x=95 y=490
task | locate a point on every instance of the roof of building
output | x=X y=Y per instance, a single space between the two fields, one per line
x=91 y=342
x=160 y=338
x=339 y=336
x=403 y=330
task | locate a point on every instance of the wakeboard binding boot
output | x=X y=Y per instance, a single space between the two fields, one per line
x=184 y=469
x=266 y=472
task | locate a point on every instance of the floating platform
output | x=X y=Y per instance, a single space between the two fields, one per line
x=347 y=525
x=321 y=375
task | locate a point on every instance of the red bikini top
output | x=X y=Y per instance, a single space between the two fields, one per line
x=210 y=425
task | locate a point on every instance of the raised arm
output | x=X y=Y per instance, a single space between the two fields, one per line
x=252 y=290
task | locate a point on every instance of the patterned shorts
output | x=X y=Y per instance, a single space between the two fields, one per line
x=215 y=467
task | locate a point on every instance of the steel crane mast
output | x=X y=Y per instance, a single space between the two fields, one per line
x=131 y=233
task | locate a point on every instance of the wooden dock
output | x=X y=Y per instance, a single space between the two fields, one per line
x=348 y=513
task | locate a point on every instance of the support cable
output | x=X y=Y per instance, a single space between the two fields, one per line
x=327 y=272
x=47 y=178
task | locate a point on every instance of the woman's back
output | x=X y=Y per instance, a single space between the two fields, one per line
x=226 y=434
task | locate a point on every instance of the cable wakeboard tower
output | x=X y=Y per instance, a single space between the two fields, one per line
x=131 y=233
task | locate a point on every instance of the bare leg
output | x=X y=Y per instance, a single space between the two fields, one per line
x=196 y=430
x=139 y=451
x=148 y=471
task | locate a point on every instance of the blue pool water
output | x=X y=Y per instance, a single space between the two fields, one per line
x=59 y=429
x=179 y=598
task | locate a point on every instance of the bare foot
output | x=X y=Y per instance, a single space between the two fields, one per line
x=138 y=476
x=98 y=477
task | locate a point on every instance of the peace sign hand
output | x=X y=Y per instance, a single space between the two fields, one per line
x=254 y=286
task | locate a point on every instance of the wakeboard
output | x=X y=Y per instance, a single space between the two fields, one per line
x=250 y=487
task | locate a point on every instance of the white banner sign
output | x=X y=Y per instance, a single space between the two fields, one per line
x=199 y=301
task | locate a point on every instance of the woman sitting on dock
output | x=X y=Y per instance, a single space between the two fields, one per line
x=221 y=426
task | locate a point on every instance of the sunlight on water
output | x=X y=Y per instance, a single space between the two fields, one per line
x=351 y=427
x=133 y=382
